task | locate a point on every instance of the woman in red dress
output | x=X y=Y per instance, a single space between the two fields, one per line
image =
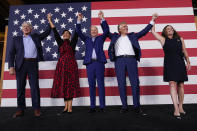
x=66 y=78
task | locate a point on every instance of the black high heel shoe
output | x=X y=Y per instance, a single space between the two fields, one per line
x=183 y=113
x=178 y=117
x=70 y=113
x=61 y=113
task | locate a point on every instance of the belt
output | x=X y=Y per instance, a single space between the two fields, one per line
x=93 y=60
x=29 y=59
x=125 y=56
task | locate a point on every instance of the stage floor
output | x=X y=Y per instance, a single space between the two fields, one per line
x=160 y=118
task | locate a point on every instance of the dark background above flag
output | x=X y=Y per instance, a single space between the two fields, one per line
x=5 y=4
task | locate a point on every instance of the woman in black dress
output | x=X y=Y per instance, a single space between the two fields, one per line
x=175 y=70
x=66 y=78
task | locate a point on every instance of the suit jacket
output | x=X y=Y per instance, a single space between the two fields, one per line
x=16 y=49
x=97 y=44
x=133 y=37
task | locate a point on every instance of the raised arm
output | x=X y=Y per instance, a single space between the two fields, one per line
x=185 y=54
x=74 y=40
x=148 y=27
x=160 y=38
x=45 y=33
x=56 y=34
x=78 y=27
x=104 y=25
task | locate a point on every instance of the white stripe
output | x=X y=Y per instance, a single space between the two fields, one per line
x=158 y=27
x=109 y=82
x=110 y=100
x=158 y=62
x=144 y=62
x=51 y=65
x=144 y=12
x=155 y=44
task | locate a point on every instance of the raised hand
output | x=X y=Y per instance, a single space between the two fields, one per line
x=154 y=16
x=101 y=15
x=80 y=16
x=49 y=16
x=159 y=37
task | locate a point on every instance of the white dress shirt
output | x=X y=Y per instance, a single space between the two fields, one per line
x=123 y=46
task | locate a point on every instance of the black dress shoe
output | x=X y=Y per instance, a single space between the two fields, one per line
x=140 y=112
x=92 y=110
x=62 y=112
x=102 y=110
x=123 y=110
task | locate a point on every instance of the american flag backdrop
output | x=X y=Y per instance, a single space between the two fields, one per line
x=137 y=14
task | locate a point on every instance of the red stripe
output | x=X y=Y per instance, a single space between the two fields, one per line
x=145 y=20
x=109 y=72
x=109 y=91
x=155 y=53
x=140 y=4
x=184 y=34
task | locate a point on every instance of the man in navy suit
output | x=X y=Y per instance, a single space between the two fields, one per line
x=125 y=51
x=95 y=60
x=23 y=56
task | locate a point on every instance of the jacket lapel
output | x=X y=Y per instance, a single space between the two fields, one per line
x=21 y=42
x=134 y=44
x=115 y=40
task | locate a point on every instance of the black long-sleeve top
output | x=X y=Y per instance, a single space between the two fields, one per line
x=60 y=41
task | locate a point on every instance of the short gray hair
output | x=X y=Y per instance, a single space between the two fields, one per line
x=120 y=25
x=93 y=26
x=28 y=23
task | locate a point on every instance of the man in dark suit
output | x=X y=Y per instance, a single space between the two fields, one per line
x=95 y=60
x=24 y=54
x=125 y=51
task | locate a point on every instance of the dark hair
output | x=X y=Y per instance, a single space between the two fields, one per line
x=65 y=31
x=164 y=34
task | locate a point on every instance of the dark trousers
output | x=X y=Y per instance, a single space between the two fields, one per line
x=130 y=65
x=30 y=69
x=95 y=71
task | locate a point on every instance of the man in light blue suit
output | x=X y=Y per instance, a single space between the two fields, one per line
x=125 y=51
x=95 y=60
